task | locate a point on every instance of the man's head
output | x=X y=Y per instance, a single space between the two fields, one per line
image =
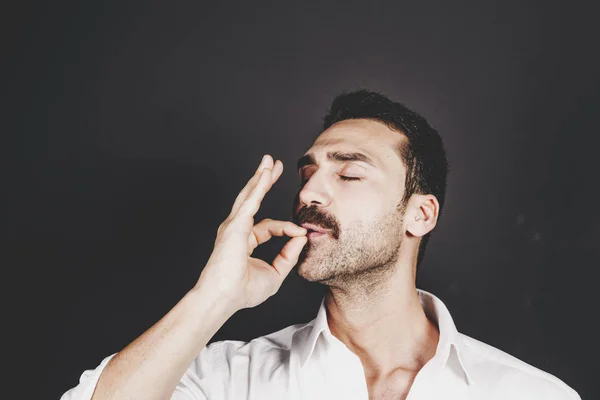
x=375 y=179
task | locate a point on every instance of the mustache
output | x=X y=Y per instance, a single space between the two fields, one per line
x=313 y=215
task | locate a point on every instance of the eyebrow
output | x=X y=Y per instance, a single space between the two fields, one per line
x=338 y=156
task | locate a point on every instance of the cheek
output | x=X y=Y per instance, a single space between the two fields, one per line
x=365 y=203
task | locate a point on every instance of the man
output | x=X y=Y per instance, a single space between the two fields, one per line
x=372 y=190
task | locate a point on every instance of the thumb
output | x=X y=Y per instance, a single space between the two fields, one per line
x=288 y=256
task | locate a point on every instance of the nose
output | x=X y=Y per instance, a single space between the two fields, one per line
x=315 y=191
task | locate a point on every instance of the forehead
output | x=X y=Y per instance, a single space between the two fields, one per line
x=373 y=138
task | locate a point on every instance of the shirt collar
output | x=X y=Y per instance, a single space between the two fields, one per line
x=434 y=308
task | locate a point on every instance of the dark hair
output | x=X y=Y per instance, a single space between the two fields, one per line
x=423 y=153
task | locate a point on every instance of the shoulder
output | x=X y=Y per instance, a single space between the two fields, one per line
x=506 y=375
x=258 y=349
x=225 y=369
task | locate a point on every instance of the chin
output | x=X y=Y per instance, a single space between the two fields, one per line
x=308 y=270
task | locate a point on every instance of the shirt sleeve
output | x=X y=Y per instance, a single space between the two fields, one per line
x=201 y=380
x=87 y=383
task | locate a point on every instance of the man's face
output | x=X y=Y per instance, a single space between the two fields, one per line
x=361 y=217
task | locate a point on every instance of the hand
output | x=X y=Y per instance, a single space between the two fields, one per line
x=243 y=280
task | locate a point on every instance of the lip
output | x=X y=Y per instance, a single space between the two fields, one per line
x=315 y=235
x=314 y=228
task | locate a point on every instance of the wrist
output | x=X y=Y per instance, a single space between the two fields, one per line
x=205 y=300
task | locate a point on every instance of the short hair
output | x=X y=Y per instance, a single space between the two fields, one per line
x=423 y=154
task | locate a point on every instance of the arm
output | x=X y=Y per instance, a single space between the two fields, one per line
x=151 y=366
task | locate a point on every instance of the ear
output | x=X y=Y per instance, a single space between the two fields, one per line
x=421 y=214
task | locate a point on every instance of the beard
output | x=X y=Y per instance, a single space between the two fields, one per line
x=364 y=252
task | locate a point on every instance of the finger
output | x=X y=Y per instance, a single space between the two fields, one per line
x=288 y=256
x=266 y=162
x=267 y=228
x=243 y=195
x=277 y=170
x=252 y=203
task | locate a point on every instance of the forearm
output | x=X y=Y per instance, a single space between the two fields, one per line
x=151 y=366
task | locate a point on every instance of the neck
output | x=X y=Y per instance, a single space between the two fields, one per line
x=383 y=323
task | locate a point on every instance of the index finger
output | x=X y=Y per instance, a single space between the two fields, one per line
x=267 y=228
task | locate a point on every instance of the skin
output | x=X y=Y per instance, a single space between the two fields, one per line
x=368 y=259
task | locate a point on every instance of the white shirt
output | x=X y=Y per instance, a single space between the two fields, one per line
x=305 y=361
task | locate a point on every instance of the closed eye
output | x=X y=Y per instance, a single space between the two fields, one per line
x=349 y=178
x=342 y=177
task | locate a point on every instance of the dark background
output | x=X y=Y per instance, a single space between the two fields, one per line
x=129 y=128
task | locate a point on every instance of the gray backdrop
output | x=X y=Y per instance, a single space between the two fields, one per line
x=129 y=128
